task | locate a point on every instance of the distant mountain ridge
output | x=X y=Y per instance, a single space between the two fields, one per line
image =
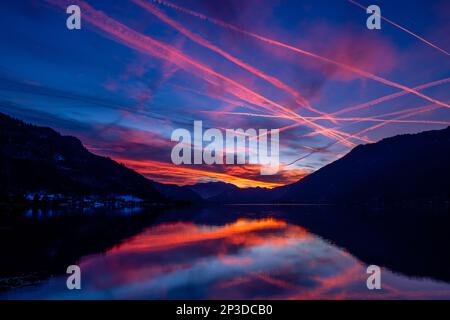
x=208 y=190
x=39 y=159
x=409 y=167
x=249 y=195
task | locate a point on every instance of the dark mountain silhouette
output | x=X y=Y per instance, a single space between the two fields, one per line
x=249 y=195
x=208 y=190
x=177 y=193
x=38 y=159
x=403 y=168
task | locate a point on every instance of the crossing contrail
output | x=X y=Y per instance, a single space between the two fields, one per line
x=359 y=119
x=299 y=99
x=402 y=115
x=417 y=111
x=388 y=97
x=152 y=47
x=348 y=67
x=404 y=29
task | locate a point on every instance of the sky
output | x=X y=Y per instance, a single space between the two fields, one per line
x=137 y=70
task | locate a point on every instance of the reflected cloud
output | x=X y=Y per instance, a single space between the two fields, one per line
x=245 y=259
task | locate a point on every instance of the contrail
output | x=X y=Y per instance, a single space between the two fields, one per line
x=357 y=107
x=230 y=102
x=388 y=97
x=359 y=119
x=147 y=45
x=344 y=110
x=410 y=110
x=406 y=114
x=363 y=73
x=419 y=110
x=404 y=29
x=205 y=43
x=289 y=118
x=317 y=150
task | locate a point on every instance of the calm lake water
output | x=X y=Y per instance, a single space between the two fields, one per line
x=211 y=254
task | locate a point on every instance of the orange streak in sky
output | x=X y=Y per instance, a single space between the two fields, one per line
x=356 y=70
x=404 y=29
x=151 y=167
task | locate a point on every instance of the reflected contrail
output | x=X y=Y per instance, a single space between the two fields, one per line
x=363 y=73
x=404 y=29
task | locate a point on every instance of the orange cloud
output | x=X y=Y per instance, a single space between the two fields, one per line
x=243 y=176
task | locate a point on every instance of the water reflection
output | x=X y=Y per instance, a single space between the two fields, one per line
x=266 y=258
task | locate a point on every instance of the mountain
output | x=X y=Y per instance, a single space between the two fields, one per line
x=177 y=193
x=208 y=190
x=404 y=168
x=221 y=192
x=38 y=159
x=249 y=195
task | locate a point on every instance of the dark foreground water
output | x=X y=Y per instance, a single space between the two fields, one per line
x=226 y=253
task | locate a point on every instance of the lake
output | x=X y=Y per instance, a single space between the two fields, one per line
x=222 y=253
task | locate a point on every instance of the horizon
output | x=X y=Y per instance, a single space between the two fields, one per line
x=123 y=97
x=201 y=182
